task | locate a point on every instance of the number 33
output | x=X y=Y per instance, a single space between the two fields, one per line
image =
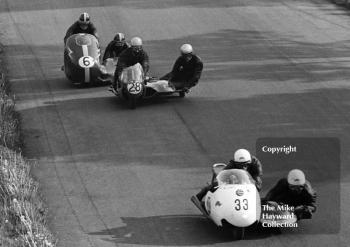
x=239 y=205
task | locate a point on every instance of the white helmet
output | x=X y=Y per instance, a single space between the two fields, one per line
x=242 y=156
x=186 y=49
x=296 y=177
x=136 y=41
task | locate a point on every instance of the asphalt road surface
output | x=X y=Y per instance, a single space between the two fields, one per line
x=118 y=177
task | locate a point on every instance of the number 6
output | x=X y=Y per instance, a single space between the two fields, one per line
x=86 y=61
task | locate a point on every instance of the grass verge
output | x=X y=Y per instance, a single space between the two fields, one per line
x=22 y=212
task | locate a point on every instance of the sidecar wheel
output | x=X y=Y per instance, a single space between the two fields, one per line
x=237 y=233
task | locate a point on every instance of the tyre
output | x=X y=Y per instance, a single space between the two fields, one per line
x=83 y=84
x=182 y=94
x=237 y=233
x=132 y=102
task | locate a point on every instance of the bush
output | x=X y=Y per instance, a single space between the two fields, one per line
x=9 y=120
x=22 y=213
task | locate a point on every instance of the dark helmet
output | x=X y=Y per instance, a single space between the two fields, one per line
x=84 y=18
x=119 y=39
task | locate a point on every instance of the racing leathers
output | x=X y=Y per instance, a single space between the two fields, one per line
x=76 y=28
x=113 y=50
x=254 y=168
x=130 y=57
x=185 y=73
x=304 y=201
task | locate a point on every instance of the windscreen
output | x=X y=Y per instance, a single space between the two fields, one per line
x=234 y=176
x=83 y=39
x=132 y=74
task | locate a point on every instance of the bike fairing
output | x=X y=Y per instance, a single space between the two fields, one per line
x=81 y=58
x=240 y=192
x=133 y=76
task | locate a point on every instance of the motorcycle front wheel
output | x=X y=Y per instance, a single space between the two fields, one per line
x=132 y=102
x=237 y=233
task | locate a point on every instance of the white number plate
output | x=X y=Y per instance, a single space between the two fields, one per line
x=86 y=62
x=135 y=87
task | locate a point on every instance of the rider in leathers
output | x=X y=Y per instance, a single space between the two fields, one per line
x=187 y=69
x=294 y=191
x=82 y=25
x=116 y=47
x=131 y=56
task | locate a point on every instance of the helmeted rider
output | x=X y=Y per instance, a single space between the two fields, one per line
x=295 y=191
x=116 y=46
x=82 y=25
x=242 y=159
x=187 y=69
x=131 y=56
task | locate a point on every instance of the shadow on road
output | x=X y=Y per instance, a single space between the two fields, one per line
x=173 y=230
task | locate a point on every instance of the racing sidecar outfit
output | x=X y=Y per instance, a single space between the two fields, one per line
x=303 y=202
x=185 y=74
x=75 y=29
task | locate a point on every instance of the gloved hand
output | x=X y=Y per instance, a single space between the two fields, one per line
x=147 y=78
x=170 y=84
x=302 y=212
x=299 y=208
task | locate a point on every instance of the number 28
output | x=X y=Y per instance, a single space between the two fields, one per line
x=135 y=87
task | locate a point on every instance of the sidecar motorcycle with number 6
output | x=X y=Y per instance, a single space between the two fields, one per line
x=82 y=60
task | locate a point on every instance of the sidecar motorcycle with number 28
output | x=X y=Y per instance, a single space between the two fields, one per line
x=133 y=86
